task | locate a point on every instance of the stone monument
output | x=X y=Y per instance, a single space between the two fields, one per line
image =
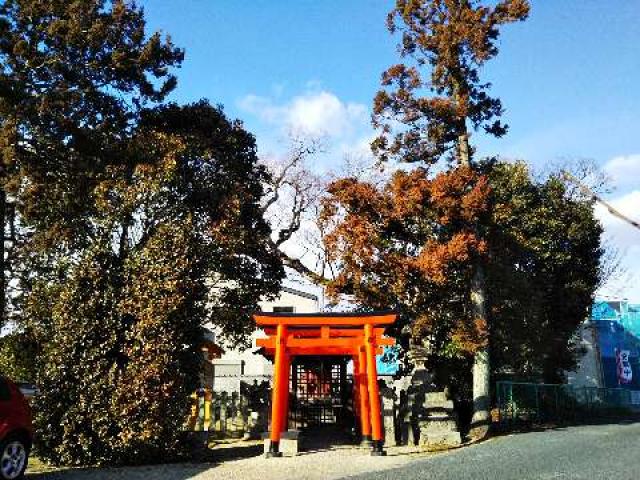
x=433 y=421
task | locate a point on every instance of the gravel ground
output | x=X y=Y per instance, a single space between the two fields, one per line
x=324 y=465
x=333 y=463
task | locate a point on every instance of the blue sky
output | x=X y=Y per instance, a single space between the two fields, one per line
x=569 y=78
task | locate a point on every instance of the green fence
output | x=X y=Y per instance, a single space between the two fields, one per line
x=537 y=403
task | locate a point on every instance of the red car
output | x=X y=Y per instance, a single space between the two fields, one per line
x=16 y=431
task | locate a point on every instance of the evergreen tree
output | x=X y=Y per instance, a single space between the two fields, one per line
x=132 y=224
x=430 y=104
x=18 y=353
x=73 y=75
x=544 y=267
x=178 y=239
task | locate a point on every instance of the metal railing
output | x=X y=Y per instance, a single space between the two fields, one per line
x=539 y=403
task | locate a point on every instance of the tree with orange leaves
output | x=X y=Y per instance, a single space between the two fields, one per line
x=438 y=98
x=429 y=102
x=426 y=111
x=408 y=244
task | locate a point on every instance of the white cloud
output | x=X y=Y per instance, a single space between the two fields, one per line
x=315 y=113
x=358 y=147
x=262 y=107
x=624 y=233
x=343 y=127
x=626 y=239
x=624 y=171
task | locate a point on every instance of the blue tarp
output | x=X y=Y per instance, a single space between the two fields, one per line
x=387 y=363
x=618 y=329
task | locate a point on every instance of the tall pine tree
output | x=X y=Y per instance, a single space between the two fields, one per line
x=430 y=104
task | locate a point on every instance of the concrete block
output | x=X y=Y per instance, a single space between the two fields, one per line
x=438 y=425
x=289 y=443
x=437 y=398
x=389 y=419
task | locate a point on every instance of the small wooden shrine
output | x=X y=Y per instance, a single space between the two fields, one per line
x=358 y=336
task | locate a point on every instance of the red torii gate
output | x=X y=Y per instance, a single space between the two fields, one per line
x=358 y=335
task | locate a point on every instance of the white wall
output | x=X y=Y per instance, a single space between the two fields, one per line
x=588 y=372
x=229 y=367
x=301 y=302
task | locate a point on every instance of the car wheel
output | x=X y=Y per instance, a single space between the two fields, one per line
x=14 y=455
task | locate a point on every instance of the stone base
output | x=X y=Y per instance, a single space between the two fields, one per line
x=377 y=449
x=273 y=454
x=366 y=442
x=289 y=444
x=440 y=439
x=378 y=453
x=438 y=429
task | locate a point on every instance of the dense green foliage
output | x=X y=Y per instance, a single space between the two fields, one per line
x=18 y=352
x=122 y=330
x=543 y=270
x=133 y=222
x=73 y=76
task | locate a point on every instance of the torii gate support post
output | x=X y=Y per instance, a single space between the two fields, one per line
x=280 y=392
x=363 y=396
x=286 y=368
x=374 y=392
x=356 y=387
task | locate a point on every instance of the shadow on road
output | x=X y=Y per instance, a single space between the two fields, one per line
x=325 y=438
x=202 y=461
x=524 y=426
x=228 y=453
x=160 y=472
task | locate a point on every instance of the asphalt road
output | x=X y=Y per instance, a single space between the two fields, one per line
x=589 y=452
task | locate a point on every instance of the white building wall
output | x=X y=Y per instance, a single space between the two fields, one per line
x=237 y=365
x=588 y=372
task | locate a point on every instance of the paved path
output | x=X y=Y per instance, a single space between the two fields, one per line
x=587 y=452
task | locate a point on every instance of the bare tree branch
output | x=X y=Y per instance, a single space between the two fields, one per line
x=586 y=191
x=302 y=269
x=291 y=205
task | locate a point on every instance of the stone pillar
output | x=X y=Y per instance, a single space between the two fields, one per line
x=419 y=384
x=438 y=428
x=433 y=420
x=389 y=400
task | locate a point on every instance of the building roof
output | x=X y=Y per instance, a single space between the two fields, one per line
x=299 y=293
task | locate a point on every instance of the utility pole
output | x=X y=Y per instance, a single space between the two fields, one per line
x=596 y=198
